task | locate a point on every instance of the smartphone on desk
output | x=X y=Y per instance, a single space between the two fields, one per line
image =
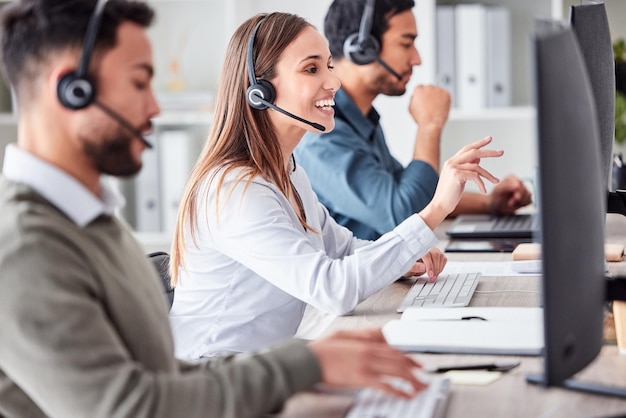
x=483 y=246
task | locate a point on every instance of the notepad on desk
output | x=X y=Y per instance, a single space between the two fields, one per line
x=471 y=330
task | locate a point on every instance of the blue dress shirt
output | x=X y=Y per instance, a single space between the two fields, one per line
x=357 y=179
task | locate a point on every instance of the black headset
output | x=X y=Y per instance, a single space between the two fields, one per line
x=261 y=93
x=362 y=47
x=76 y=90
x=258 y=88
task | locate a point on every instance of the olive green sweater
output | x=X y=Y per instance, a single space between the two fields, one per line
x=84 y=330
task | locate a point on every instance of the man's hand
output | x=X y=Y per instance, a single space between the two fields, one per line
x=432 y=263
x=430 y=106
x=363 y=358
x=508 y=196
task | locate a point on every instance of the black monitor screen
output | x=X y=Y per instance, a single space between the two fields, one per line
x=591 y=27
x=571 y=201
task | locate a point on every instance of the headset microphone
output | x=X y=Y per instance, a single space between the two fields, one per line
x=388 y=68
x=362 y=48
x=261 y=93
x=123 y=122
x=254 y=96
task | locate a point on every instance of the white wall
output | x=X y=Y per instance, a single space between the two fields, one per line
x=313 y=11
x=192 y=32
x=196 y=33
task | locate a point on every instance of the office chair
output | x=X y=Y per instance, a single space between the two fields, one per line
x=161 y=262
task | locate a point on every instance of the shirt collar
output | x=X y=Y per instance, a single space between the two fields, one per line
x=364 y=125
x=58 y=187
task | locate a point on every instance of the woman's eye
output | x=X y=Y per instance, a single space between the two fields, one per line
x=311 y=70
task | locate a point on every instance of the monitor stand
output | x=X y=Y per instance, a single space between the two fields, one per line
x=615 y=290
x=616 y=202
x=581 y=386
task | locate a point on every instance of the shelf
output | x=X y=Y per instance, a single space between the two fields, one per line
x=493 y=114
x=182 y=117
x=178 y=117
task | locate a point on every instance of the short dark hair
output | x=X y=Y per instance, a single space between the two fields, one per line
x=344 y=17
x=32 y=30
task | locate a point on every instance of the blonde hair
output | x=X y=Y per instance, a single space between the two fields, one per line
x=240 y=137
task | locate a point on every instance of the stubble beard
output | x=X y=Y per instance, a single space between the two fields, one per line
x=387 y=86
x=111 y=153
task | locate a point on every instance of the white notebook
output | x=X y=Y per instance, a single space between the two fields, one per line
x=485 y=330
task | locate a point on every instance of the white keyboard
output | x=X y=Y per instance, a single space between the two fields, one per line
x=429 y=403
x=450 y=290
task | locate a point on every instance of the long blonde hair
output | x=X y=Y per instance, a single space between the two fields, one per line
x=240 y=137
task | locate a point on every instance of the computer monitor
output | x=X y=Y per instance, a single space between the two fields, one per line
x=572 y=210
x=591 y=26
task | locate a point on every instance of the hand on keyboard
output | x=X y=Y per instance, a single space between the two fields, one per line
x=508 y=196
x=428 y=403
x=432 y=264
x=361 y=358
x=450 y=290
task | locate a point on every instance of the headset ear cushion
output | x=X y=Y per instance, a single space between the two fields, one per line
x=75 y=92
x=361 y=53
x=262 y=88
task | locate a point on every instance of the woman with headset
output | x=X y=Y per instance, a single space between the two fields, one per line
x=252 y=245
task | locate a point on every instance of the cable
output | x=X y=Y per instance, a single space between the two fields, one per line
x=507 y=291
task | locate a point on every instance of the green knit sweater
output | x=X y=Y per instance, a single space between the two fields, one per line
x=84 y=330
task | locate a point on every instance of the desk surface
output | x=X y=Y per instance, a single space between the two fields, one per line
x=510 y=395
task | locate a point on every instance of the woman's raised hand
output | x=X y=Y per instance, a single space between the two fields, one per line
x=462 y=167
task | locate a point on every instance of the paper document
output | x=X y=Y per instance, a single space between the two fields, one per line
x=492 y=268
x=472 y=377
x=472 y=330
x=498 y=268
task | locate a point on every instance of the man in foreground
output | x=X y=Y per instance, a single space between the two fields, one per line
x=85 y=331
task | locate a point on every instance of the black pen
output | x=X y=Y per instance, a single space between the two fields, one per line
x=463 y=318
x=491 y=367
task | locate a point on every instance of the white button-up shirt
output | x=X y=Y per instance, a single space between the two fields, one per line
x=253 y=268
x=59 y=188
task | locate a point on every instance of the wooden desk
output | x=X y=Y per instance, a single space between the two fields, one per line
x=509 y=396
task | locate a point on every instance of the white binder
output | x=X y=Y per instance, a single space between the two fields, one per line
x=471 y=56
x=498 y=27
x=446 y=71
x=176 y=150
x=147 y=193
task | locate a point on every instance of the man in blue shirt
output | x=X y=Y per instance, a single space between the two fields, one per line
x=351 y=168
